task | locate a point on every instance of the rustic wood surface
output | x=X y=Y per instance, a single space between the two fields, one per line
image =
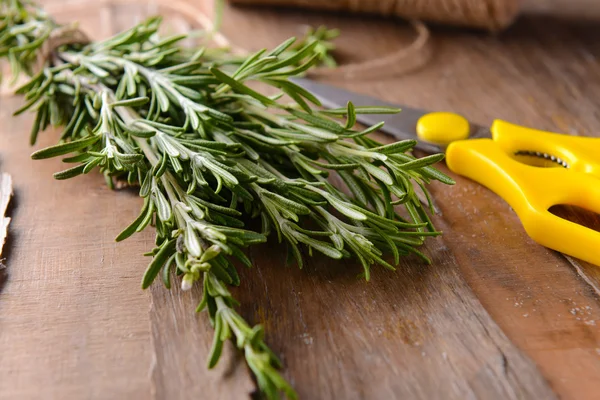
x=496 y=316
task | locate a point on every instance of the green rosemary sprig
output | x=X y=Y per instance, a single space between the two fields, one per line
x=210 y=152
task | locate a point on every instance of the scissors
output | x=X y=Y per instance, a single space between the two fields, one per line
x=490 y=156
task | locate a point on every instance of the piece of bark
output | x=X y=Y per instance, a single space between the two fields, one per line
x=5 y=195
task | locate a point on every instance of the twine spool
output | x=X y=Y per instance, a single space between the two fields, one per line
x=492 y=15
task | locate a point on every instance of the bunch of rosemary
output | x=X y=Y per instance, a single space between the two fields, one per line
x=210 y=153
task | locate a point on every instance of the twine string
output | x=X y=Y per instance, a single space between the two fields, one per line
x=403 y=60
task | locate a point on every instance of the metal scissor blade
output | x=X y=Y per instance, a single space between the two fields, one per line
x=401 y=126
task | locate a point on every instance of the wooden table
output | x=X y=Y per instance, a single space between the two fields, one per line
x=495 y=317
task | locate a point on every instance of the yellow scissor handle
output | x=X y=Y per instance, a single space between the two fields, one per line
x=531 y=190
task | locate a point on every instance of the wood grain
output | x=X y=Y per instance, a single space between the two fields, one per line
x=419 y=333
x=182 y=340
x=494 y=317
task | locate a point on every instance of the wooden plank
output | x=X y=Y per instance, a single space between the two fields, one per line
x=531 y=292
x=540 y=74
x=73 y=321
x=182 y=340
x=417 y=333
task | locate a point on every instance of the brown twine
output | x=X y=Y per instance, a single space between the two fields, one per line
x=401 y=61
